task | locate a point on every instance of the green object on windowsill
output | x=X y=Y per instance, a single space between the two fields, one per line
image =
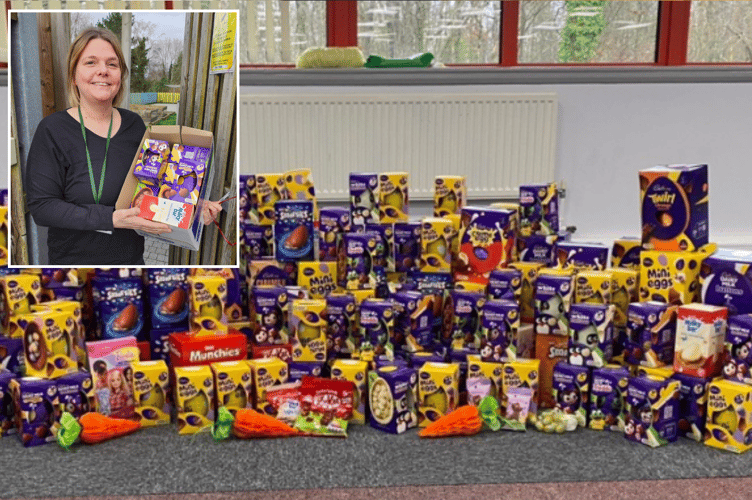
x=419 y=61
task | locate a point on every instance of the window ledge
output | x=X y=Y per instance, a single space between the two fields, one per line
x=495 y=75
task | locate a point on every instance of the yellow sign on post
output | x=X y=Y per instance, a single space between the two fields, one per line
x=223 y=43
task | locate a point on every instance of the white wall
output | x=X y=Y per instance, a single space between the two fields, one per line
x=608 y=132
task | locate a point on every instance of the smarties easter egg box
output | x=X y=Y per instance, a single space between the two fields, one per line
x=183 y=235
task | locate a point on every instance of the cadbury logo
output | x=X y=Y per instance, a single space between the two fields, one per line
x=715 y=390
x=222 y=376
x=425 y=375
x=262 y=371
x=139 y=375
x=183 y=380
x=729 y=279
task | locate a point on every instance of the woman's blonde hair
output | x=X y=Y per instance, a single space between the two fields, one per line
x=74 y=54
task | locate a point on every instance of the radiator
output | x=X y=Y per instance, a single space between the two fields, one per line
x=498 y=141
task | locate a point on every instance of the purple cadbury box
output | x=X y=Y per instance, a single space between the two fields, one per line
x=738 y=355
x=608 y=393
x=500 y=321
x=35 y=401
x=167 y=293
x=553 y=297
x=650 y=336
x=570 y=386
x=399 y=412
x=119 y=306
x=413 y=322
x=727 y=280
x=466 y=322
x=504 y=284
x=341 y=313
x=593 y=256
x=653 y=410
x=406 y=246
x=692 y=406
x=190 y=159
x=364 y=198
x=591 y=339
x=258 y=241
x=385 y=253
x=333 y=223
x=248 y=201
x=149 y=162
x=538 y=248
x=75 y=393
x=298 y=369
x=7 y=410
x=377 y=326
x=539 y=209
x=12 y=355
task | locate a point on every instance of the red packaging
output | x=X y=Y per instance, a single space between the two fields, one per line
x=144 y=351
x=285 y=399
x=325 y=406
x=192 y=350
x=172 y=213
x=281 y=351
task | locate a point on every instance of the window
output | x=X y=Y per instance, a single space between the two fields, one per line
x=720 y=32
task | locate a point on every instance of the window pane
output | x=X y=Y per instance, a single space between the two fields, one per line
x=587 y=32
x=454 y=32
x=720 y=32
x=277 y=32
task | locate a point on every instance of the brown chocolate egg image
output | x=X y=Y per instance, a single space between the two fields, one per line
x=183 y=192
x=174 y=303
x=127 y=319
x=169 y=193
x=297 y=238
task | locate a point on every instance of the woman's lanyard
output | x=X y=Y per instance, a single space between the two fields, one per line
x=97 y=194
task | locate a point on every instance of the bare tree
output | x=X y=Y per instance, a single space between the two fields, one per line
x=163 y=53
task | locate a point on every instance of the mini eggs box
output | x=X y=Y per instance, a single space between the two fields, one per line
x=376 y=329
x=19 y=293
x=413 y=321
x=270 y=306
x=333 y=222
x=270 y=189
x=233 y=381
x=483 y=379
x=505 y=284
x=364 y=198
x=625 y=252
x=539 y=209
x=462 y=318
x=671 y=277
x=208 y=299
x=692 y=406
x=341 y=317
x=522 y=373
x=450 y=193
x=407 y=246
x=119 y=307
x=529 y=272
x=308 y=329
x=582 y=256
x=392 y=397
x=608 y=398
x=73 y=324
x=7 y=407
x=438 y=391
x=151 y=391
x=593 y=287
x=267 y=372
x=258 y=241
x=190 y=236
x=167 y=293
x=486 y=242
x=674 y=200
x=293 y=230
x=700 y=339
x=151 y=156
x=591 y=334
x=729 y=407
x=571 y=390
x=651 y=330
x=393 y=197
x=237 y=301
x=435 y=252
x=37 y=405
x=194 y=399
x=48 y=346
x=553 y=298
x=653 y=410
x=538 y=248
x=319 y=278
x=738 y=353
x=726 y=278
x=623 y=292
x=356 y=372
x=500 y=321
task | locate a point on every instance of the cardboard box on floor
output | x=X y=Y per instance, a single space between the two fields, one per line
x=189 y=238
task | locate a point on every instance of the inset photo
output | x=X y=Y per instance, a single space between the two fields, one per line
x=123 y=130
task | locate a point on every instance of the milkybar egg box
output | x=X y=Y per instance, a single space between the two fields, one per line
x=355 y=371
x=671 y=277
x=333 y=223
x=36 y=404
x=270 y=189
x=319 y=278
x=462 y=318
x=692 y=406
x=376 y=330
x=435 y=252
x=407 y=246
x=738 y=352
x=270 y=311
x=554 y=293
x=48 y=345
x=341 y=319
x=19 y=293
x=539 y=209
x=450 y=193
x=299 y=186
x=625 y=253
x=151 y=391
x=651 y=334
x=438 y=391
x=150 y=158
x=571 y=390
x=623 y=292
x=505 y=284
x=392 y=399
x=674 y=200
x=248 y=200
x=726 y=278
x=729 y=407
x=500 y=321
x=208 y=297
x=233 y=381
x=74 y=328
x=593 y=287
x=413 y=321
x=652 y=410
x=483 y=379
x=581 y=256
x=529 y=271
x=293 y=230
x=364 y=198
x=360 y=270
x=308 y=329
x=258 y=241
x=194 y=399
x=384 y=256
x=267 y=372
x=167 y=297
x=487 y=240
x=591 y=334
x=608 y=393
x=522 y=373
x=393 y=197
x=700 y=339
x=549 y=350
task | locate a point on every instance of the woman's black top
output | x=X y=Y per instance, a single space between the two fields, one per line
x=58 y=190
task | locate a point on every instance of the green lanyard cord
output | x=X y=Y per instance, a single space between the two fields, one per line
x=97 y=194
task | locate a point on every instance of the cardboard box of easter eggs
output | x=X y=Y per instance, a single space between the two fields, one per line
x=186 y=227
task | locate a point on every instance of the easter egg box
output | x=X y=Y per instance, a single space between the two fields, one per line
x=182 y=217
